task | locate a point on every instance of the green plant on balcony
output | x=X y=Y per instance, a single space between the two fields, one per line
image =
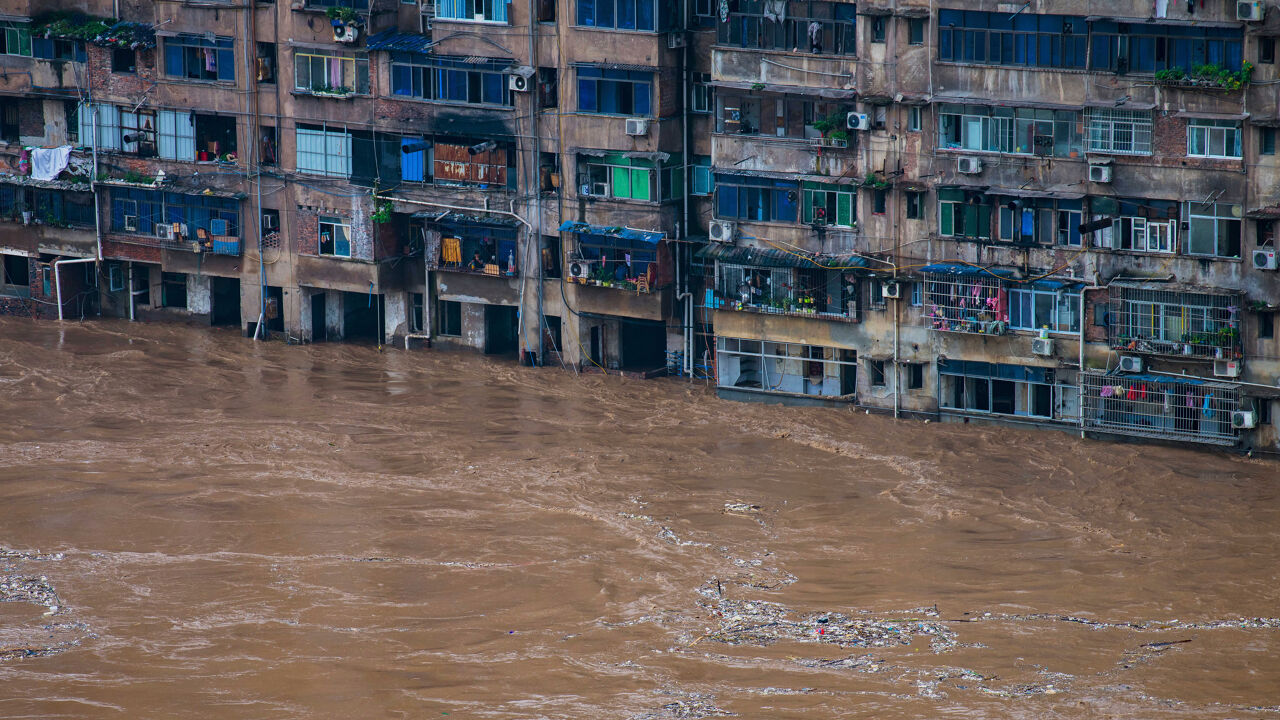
x=72 y=26
x=335 y=90
x=343 y=15
x=381 y=211
x=874 y=181
x=1207 y=75
x=829 y=124
x=132 y=176
x=1170 y=76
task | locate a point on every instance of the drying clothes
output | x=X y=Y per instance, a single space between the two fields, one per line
x=1002 y=305
x=210 y=60
x=724 y=10
x=775 y=10
x=1162 y=8
x=1207 y=408
x=1106 y=391
x=46 y=163
x=815 y=37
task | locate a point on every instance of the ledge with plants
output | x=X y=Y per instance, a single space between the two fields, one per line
x=1208 y=76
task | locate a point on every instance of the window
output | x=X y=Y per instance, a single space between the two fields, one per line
x=268 y=145
x=270 y=221
x=195 y=58
x=1041 y=221
x=1214 y=229
x=324 y=151
x=1213 y=138
x=450 y=318
x=1150 y=47
x=455 y=164
x=548 y=88
x=913 y=118
x=335 y=237
x=551 y=256
x=915 y=375
x=957 y=217
x=17 y=278
x=1266 y=51
x=700 y=93
x=703 y=181
x=614 y=92
x=71 y=113
x=137 y=212
x=16 y=38
x=1266 y=141
x=1266 y=233
x=627 y=14
x=58 y=49
x=173 y=290
x=879 y=199
x=779 y=367
x=1173 y=323
x=759 y=199
x=472 y=10
x=915 y=205
x=915 y=31
x=1001 y=38
x=1035 y=309
x=877 y=29
x=1022 y=131
x=759 y=25
x=1266 y=325
x=547 y=11
x=416 y=312
x=124 y=60
x=63 y=208
x=265 y=62
x=828 y=205
x=623 y=178
x=875 y=369
x=1264 y=411
x=777 y=116
x=9 y=128
x=917 y=294
x=448 y=79
x=1100 y=311
x=1001 y=389
x=1125 y=132
x=324 y=71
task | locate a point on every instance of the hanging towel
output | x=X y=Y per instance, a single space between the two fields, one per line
x=210 y=60
x=724 y=10
x=1106 y=391
x=46 y=163
x=1208 y=405
x=1167 y=402
x=1162 y=8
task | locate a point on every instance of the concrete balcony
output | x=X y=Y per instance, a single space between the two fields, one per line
x=800 y=72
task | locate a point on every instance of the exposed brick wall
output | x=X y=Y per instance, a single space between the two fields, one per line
x=668 y=88
x=306 y=229
x=31 y=118
x=32 y=306
x=115 y=250
x=108 y=84
x=1169 y=146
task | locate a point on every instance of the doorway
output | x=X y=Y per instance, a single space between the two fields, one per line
x=501 y=332
x=225 y=301
x=319 y=327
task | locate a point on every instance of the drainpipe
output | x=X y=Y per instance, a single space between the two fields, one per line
x=57 y=277
x=682 y=279
x=255 y=162
x=1080 y=368
x=535 y=171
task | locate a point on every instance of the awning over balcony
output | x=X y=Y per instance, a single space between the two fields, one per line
x=830 y=93
x=646 y=236
x=963 y=269
x=403 y=42
x=772 y=257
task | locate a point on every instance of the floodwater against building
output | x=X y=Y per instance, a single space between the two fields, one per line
x=195 y=524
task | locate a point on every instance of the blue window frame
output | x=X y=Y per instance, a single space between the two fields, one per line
x=58 y=49
x=756 y=199
x=1001 y=38
x=473 y=10
x=647 y=15
x=195 y=58
x=353 y=4
x=459 y=80
x=1148 y=47
x=147 y=208
x=615 y=92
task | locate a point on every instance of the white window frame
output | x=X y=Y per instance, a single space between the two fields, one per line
x=175 y=135
x=1059 y=300
x=335 y=223
x=1225 y=134
x=324 y=59
x=1196 y=213
x=465 y=11
x=333 y=156
x=1118 y=131
x=701 y=94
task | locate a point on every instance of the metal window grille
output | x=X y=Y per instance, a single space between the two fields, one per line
x=1174 y=323
x=965 y=303
x=1145 y=406
x=1119 y=131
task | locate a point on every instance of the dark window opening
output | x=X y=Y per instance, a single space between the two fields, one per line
x=1266 y=141
x=416 y=312
x=266 y=62
x=1266 y=325
x=1266 y=233
x=914 y=206
x=1266 y=50
x=197 y=58
x=547 y=11
x=548 y=88
x=551 y=330
x=1264 y=412
x=551 y=257
x=877 y=29
x=876 y=370
x=124 y=60
x=915 y=376
x=270 y=222
x=268 y=146
x=450 y=318
x=174 y=290
x=549 y=171
x=215 y=137
x=880 y=201
x=9 y=121
x=915 y=31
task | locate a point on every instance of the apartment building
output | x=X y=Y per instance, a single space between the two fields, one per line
x=1060 y=213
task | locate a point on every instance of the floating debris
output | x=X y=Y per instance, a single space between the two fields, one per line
x=740 y=507
x=688 y=705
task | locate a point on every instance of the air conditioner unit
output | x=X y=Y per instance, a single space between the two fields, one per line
x=518 y=83
x=1264 y=259
x=722 y=231
x=1250 y=11
x=637 y=126
x=1226 y=368
x=1042 y=346
x=596 y=190
x=1130 y=364
x=969 y=165
x=1243 y=420
x=857 y=121
x=346 y=33
x=580 y=269
x=676 y=40
x=1100 y=173
x=163 y=231
x=131 y=222
x=891 y=289
x=217 y=227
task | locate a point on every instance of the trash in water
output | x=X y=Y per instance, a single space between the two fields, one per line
x=740 y=507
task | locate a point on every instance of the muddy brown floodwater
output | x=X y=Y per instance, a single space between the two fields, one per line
x=194 y=525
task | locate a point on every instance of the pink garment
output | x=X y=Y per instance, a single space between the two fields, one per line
x=210 y=60
x=1002 y=305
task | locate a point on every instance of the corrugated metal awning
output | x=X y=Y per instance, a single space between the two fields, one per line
x=455 y=218
x=1029 y=193
x=774 y=257
x=616 y=66
x=830 y=93
x=398 y=41
x=652 y=237
x=1210 y=115
x=965 y=269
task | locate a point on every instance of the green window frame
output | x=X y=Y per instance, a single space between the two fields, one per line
x=828 y=204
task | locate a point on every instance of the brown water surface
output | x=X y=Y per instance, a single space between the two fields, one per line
x=241 y=530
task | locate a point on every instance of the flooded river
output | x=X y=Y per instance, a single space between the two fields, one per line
x=195 y=525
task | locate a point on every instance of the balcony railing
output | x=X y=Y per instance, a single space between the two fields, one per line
x=216 y=245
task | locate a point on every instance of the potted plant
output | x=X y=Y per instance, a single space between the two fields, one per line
x=22 y=207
